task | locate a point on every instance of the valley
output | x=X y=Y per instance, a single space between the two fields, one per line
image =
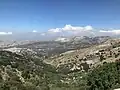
x=57 y=65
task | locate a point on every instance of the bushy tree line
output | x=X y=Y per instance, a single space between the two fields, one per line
x=106 y=77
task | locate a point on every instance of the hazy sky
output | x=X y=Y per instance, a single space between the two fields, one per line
x=41 y=15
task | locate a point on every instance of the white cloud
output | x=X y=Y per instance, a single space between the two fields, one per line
x=55 y=30
x=116 y=32
x=34 y=31
x=5 y=33
x=88 y=28
x=71 y=28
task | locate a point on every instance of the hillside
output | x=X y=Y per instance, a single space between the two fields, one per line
x=51 y=48
x=79 y=69
x=87 y=58
x=19 y=72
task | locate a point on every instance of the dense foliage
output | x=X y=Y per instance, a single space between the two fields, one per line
x=106 y=77
x=18 y=72
x=25 y=73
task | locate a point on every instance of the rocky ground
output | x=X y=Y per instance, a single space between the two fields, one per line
x=87 y=58
x=22 y=67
